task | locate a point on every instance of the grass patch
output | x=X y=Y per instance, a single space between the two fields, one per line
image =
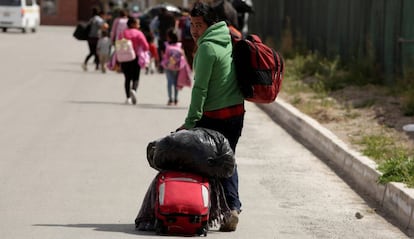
x=365 y=104
x=379 y=147
x=398 y=169
x=318 y=76
x=395 y=162
x=351 y=115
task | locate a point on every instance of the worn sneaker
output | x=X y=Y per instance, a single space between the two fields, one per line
x=133 y=94
x=170 y=102
x=230 y=222
x=128 y=101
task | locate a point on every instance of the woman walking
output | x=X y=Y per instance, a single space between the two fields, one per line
x=132 y=69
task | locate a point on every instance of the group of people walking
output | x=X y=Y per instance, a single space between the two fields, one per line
x=149 y=56
x=216 y=101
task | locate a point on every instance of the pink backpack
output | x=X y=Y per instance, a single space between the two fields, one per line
x=124 y=50
x=172 y=57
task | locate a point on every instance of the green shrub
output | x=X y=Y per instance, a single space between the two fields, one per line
x=398 y=169
x=394 y=161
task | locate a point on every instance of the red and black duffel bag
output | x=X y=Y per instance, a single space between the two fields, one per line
x=259 y=69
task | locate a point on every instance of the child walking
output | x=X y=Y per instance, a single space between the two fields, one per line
x=103 y=49
x=154 y=59
x=172 y=63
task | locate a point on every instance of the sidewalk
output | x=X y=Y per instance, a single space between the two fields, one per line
x=395 y=198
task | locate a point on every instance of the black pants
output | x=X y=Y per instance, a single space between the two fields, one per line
x=131 y=70
x=92 y=44
x=231 y=128
x=161 y=50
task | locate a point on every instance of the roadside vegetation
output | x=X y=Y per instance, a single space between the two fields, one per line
x=338 y=94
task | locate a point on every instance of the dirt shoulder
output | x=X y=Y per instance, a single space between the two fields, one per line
x=354 y=112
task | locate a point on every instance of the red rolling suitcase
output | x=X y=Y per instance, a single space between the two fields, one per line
x=182 y=204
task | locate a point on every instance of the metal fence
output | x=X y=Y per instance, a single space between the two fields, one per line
x=379 y=31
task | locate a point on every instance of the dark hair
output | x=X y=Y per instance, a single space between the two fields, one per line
x=95 y=11
x=172 y=36
x=104 y=33
x=123 y=13
x=205 y=11
x=131 y=21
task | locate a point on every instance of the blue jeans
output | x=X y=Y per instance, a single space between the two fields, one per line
x=172 y=85
x=231 y=128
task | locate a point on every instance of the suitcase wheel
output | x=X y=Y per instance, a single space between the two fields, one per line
x=160 y=229
x=202 y=231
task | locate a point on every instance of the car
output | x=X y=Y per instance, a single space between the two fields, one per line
x=19 y=14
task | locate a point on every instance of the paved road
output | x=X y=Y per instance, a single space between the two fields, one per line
x=73 y=162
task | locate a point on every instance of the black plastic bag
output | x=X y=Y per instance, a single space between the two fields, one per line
x=198 y=150
x=82 y=31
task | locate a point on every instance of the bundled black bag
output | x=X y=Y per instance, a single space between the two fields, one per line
x=82 y=31
x=198 y=150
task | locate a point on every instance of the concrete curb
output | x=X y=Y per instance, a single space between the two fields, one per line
x=394 y=198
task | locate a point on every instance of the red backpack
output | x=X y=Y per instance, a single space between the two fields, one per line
x=259 y=69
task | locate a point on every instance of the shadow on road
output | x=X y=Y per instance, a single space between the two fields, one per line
x=67 y=70
x=122 y=228
x=96 y=102
x=158 y=106
x=144 y=106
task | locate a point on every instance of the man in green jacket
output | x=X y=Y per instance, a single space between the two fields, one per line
x=216 y=100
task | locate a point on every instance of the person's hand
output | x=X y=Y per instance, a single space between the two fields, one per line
x=105 y=27
x=180 y=128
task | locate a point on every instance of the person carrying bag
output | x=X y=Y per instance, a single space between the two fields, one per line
x=127 y=48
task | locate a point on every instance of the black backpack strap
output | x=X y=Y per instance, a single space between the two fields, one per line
x=278 y=61
x=254 y=38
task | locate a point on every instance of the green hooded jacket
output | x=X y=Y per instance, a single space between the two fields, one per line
x=215 y=86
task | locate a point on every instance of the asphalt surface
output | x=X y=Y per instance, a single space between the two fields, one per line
x=73 y=156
